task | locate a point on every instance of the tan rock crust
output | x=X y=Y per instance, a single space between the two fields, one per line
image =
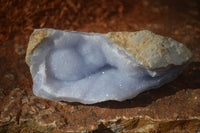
x=35 y=39
x=151 y=50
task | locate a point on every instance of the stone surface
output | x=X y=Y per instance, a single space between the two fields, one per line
x=175 y=107
x=151 y=50
x=147 y=112
x=92 y=67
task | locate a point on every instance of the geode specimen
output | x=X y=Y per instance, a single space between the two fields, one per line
x=92 y=67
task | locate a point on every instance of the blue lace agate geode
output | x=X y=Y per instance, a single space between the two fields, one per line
x=92 y=67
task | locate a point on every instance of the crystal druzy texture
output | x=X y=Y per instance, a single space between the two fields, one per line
x=92 y=67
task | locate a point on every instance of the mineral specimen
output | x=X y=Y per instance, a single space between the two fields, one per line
x=93 y=67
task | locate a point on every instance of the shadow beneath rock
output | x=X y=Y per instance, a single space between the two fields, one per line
x=188 y=80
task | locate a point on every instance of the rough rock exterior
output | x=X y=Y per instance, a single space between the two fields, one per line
x=35 y=39
x=151 y=50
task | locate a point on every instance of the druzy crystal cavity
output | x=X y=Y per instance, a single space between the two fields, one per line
x=93 y=67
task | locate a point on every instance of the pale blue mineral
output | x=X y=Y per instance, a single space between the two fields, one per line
x=92 y=67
